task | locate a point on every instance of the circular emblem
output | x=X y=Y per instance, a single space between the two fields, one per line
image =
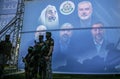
x=67 y=7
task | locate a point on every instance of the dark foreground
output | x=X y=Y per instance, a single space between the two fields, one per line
x=67 y=76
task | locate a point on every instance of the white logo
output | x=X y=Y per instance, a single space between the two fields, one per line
x=67 y=7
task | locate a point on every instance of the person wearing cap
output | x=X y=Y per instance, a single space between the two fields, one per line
x=50 y=45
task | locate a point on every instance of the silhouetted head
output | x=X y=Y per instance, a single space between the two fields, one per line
x=7 y=37
x=48 y=35
x=30 y=49
x=40 y=37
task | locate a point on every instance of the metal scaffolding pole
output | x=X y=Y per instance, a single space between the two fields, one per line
x=13 y=28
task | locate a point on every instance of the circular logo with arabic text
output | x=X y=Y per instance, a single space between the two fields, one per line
x=67 y=7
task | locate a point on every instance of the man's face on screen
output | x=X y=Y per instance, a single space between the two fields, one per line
x=65 y=34
x=97 y=32
x=51 y=14
x=40 y=31
x=84 y=11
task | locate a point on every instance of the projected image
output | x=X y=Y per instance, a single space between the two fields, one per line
x=49 y=17
x=65 y=35
x=95 y=55
x=40 y=30
x=85 y=10
x=64 y=44
x=67 y=7
x=85 y=32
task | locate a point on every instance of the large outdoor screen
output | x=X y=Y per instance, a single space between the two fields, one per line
x=86 y=34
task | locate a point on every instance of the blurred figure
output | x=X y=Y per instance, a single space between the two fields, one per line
x=40 y=50
x=85 y=10
x=41 y=30
x=65 y=37
x=85 y=13
x=113 y=58
x=5 y=53
x=6 y=44
x=50 y=46
x=49 y=17
x=26 y=61
x=66 y=54
x=97 y=51
x=98 y=38
x=2 y=57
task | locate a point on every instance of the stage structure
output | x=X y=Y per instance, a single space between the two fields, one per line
x=11 y=22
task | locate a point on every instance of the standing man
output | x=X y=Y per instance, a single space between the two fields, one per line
x=5 y=53
x=27 y=60
x=50 y=45
x=40 y=50
x=8 y=45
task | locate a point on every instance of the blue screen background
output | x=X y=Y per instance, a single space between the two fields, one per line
x=78 y=59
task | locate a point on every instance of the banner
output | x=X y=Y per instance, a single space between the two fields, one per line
x=8 y=9
x=86 y=34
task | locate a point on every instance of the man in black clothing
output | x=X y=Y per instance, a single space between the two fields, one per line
x=5 y=52
x=40 y=49
x=27 y=60
x=50 y=45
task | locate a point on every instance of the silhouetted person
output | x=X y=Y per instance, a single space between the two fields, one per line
x=40 y=49
x=50 y=45
x=7 y=44
x=27 y=60
x=5 y=52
